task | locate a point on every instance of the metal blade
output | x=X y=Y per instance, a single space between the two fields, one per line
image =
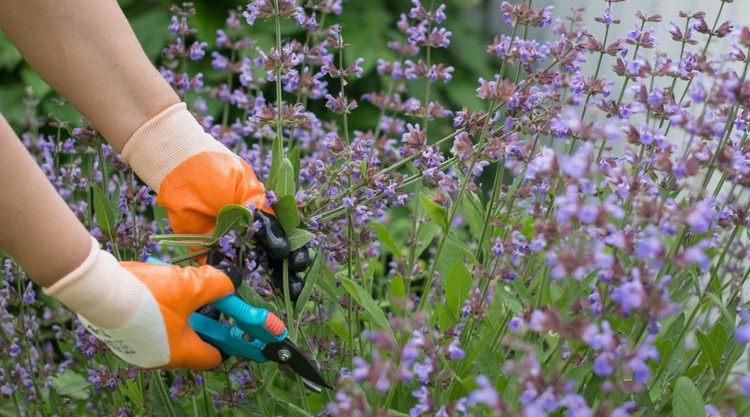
x=287 y=353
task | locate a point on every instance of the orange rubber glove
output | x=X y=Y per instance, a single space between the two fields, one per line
x=141 y=310
x=195 y=176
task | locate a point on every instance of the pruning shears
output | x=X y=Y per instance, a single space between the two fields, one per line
x=258 y=335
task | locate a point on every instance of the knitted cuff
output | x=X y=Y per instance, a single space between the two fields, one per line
x=100 y=290
x=164 y=142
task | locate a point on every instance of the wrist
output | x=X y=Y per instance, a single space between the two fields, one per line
x=100 y=290
x=165 y=142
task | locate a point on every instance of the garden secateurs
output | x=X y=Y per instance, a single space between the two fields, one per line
x=258 y=335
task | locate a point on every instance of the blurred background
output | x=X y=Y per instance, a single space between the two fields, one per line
x=474 y=23
x=150 y=21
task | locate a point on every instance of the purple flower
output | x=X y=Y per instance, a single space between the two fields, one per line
x=485 y=394
x=196 y=50
x=625 y=410
x=424 y=402
x=700 y=216
x=742 y=333
x=604 y=364
x=629 y=295
x=744 y=383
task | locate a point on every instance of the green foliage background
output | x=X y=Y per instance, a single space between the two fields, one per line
x=367 y=26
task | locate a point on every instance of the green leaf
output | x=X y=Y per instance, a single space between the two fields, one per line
x=105 y=216
x=9 y=55
x=72 y=385
x=363 y=298
x=298 y=238
x=248 y=294
x=472 y=209
x=163 y=405
x=231 y=217
x=286 y=180
x=426 y=234
x=293 y=410
x=294 y=159
x=710 y=352
x=675 y=328
x=363 y=168
x=398 y=287
x=435 y=211
x=385 y=238
x=276 y=156
x=457 y=287
x=152 y=41
x=31 y=79
x=328 y=284
x=287 y=212
x=453 y=251
x=339 y=329
x=487 y=363
x=687 y=401
x=311 y=278
x=508 y=299
x=445 y=318
x=397 y=294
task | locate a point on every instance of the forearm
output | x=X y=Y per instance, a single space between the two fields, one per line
x=37 y=228
x=87 y=51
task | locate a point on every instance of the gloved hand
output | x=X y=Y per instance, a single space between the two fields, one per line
x=195 y=176
x=140 y=310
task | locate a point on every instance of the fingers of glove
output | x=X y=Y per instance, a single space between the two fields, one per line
x=196 y=190
x=182 y=290
x=271 y=236
x=189 y=351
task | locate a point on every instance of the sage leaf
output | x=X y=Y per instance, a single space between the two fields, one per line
x=457 y=287
x=71 y=385
x=298 y=238
x=105 y=215
x=687 y=401
x=363 y=298
x=231 y=217
x=276 y=156
x=287 y=213
x=435 y=211
x=294 y=159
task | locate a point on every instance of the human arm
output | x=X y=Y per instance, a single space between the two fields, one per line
x=140 y=310
x=87 y=51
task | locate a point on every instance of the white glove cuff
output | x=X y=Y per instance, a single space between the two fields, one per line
x=100 y=290
x=164 y=142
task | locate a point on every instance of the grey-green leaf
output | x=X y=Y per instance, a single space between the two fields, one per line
x=385 y=238
x=298 y=238
x=363 y=298
x=276 y=156
x=286 y=212
x=712 y=352
x=435 y=211
x=687 y=401
x=105 y=216
x=285 y=183
x=311 y=279
x=294 y=159
x=71 y=385
x=457 y=287
x=231 y=217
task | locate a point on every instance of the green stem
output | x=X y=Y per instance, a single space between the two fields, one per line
x=279 y=117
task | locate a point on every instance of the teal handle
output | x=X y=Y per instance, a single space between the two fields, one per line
x=233 y=340
x=252 y=320
x=230 y=340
